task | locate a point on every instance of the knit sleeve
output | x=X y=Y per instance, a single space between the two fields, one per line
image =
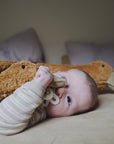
x=17 y=109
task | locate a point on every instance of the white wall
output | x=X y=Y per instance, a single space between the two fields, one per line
x=57 y=21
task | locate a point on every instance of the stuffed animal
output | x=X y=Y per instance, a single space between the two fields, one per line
x=14 y=74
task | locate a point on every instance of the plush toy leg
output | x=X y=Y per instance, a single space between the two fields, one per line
x=110 y=81
x=5 y=64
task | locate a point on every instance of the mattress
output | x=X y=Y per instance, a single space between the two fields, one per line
x=94 y=127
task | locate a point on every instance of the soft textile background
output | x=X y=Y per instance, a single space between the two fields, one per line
x=58 y=21
x=22 y=46
x=84 y=53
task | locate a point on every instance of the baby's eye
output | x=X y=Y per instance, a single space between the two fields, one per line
x=66 y=86
x=68 y=100
x=63 y=77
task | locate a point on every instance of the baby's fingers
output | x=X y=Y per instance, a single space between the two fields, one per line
x=44 y=68
x=43 y=76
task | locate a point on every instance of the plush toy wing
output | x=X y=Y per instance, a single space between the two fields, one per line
x=14 y=74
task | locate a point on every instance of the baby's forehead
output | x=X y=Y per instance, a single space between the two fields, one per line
x=76 y=74
x=76 y=71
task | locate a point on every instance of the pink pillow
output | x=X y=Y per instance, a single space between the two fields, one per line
x=84 y=53
x=24 y=46
x=4 y=52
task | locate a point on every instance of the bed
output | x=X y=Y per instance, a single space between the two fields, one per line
x=96 y=127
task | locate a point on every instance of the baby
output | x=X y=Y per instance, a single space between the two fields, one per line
x=25 y=107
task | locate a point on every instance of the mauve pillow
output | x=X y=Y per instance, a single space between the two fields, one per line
x=84 y=53
x=24 y=46
x=4 y=52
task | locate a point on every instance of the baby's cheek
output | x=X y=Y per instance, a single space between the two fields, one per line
x=55 y=111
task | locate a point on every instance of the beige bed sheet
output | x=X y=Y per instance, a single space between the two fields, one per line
x=95 y=127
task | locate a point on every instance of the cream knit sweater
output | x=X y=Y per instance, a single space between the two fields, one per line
x=22 y=109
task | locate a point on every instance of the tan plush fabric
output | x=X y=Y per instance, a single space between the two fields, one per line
x=14 y=74
x=95 y=127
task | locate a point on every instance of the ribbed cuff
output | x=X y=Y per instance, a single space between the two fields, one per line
x=36 y=88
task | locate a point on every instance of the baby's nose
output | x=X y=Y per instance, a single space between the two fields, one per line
x=60 y=92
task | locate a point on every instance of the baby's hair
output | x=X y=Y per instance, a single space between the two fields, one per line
x=93 y=88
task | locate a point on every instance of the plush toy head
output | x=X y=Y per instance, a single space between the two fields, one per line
x=14 y=74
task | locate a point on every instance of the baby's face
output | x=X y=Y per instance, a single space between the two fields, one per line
x=76 y=96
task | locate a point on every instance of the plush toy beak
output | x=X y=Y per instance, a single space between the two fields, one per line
x=110 y=81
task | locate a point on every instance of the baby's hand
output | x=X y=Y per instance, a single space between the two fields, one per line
x=43 y=76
